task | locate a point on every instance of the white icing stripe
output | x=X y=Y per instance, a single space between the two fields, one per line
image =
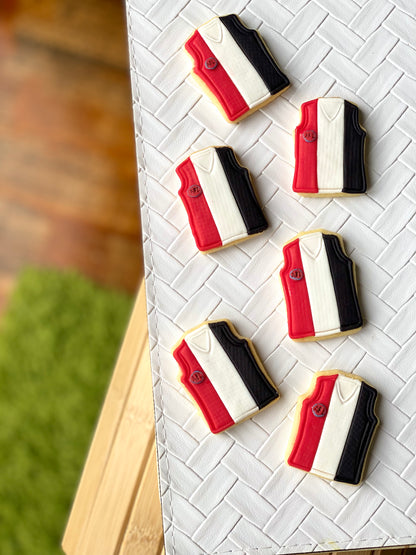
x=222 y=373
x=330 y=152
x=218 y=194
x=319 y=283
x=243 y=74
x=337 y=424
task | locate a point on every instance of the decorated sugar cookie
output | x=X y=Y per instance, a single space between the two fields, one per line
x=234 y=66
x=219 y=198
x=333 y=427
x=319 y=285
x=329 y=149
x=223 y=373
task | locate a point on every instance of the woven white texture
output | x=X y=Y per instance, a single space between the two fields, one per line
x=232 y=492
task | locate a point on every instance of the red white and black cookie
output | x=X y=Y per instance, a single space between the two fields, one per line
x=219 y=198
x=333 y=428
x=234 y=66
x=319 y=286
x=223 y=373
x=329 y=149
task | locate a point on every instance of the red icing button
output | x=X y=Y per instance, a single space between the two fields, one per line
x=211 y=63
x=197 y=377
x=296 y=274
x=309 y=136
x=194 y=191
x=319 y=410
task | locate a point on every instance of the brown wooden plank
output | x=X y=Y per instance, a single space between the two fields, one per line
x=124 y=470
x=134 y=348
x=144 y=531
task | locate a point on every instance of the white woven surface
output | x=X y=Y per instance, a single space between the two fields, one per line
x=232 y=493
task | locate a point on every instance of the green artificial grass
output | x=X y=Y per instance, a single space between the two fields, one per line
x=59 y=340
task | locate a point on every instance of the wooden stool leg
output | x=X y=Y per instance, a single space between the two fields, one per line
x=120 y=473
x=143 y=533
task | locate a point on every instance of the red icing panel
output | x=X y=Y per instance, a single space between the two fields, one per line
x=200 y=218
x=305 y=179
x=310 y=425
x=202 y=390
x=299 y=314
x=216 y=79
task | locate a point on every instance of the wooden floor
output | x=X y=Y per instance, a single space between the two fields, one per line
x=67 y=161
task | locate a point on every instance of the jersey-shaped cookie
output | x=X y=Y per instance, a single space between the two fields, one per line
x=333 y=427
x=319 y=285
x=223 y=373
x=234 y=67
x=329 y=149
x=219 y=199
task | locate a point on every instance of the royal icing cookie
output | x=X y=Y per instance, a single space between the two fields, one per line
x=319 y=286
x=223 y=374
x=219 y=199
x=333 y=427
x=234 y=66
x=329 y=149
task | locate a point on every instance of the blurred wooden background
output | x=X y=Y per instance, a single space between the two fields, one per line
x=68 y=194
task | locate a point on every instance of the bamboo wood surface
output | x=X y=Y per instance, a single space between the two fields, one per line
x=120 y=456
x=122 y=474
x=144 y=527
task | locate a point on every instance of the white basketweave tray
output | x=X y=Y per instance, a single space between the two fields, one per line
x=232 y=492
